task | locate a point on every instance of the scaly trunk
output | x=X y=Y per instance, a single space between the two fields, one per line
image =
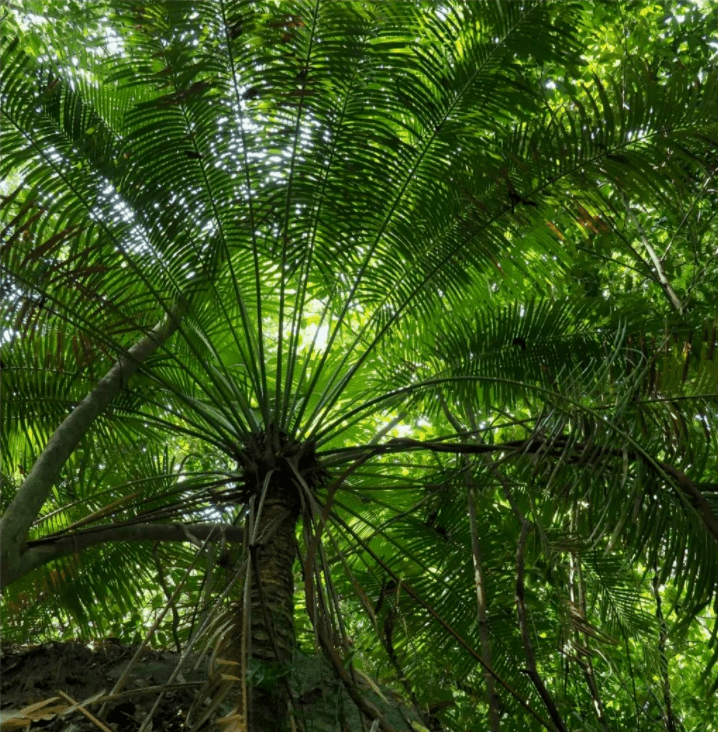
x=266 y=648
x=272 y=615
x=261 y=648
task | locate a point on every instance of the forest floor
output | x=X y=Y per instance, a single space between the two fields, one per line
x=62 y=687
x=40 y=686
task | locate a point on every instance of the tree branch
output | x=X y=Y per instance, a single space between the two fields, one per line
x=522 y=616
x=449 y=629
x=667 y=712
x=531 y=669
x=41 y=551
x=577 y=595
x=163 y=583
x=33 y=493
x=480 y=584
x=479 y=578
x=682 y=484
x=657 y=264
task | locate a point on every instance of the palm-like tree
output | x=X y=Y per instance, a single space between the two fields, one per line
x=312 y=276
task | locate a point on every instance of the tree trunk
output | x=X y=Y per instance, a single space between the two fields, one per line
x=35 y=489
x=269 y=646
x=272 y=616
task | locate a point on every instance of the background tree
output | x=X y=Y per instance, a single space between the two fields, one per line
x=417 y=294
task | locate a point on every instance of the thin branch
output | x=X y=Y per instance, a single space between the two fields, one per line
x=205 y=624
x=522 y=616
x=449 y=629
x=148 y=636
x=163 y=583
x=480 y=583
x=592 y=253
x=80 y=708
x=479 y=578
x=697 y=198
x=577 y=594
x=531 y=670
x=668 y=716
x=658 y=266
x=41 y=551
x=36 y=487
x=556 y=447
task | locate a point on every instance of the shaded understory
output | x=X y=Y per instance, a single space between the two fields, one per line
x=31 y=675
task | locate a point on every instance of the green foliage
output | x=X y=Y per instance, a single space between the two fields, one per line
x=464 y=251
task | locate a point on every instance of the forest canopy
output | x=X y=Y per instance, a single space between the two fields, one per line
x=382 y=333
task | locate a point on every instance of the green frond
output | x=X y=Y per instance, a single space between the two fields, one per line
x=415 y=254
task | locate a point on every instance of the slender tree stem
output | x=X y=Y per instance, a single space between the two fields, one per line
x=42 y=551
x=657 y=264
x=522 y=615
x=449 y=629
x=668 y=716
x=33 y=493
x=480 y=583
x=163 y=583
x=578 y=597
x=531 y=669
